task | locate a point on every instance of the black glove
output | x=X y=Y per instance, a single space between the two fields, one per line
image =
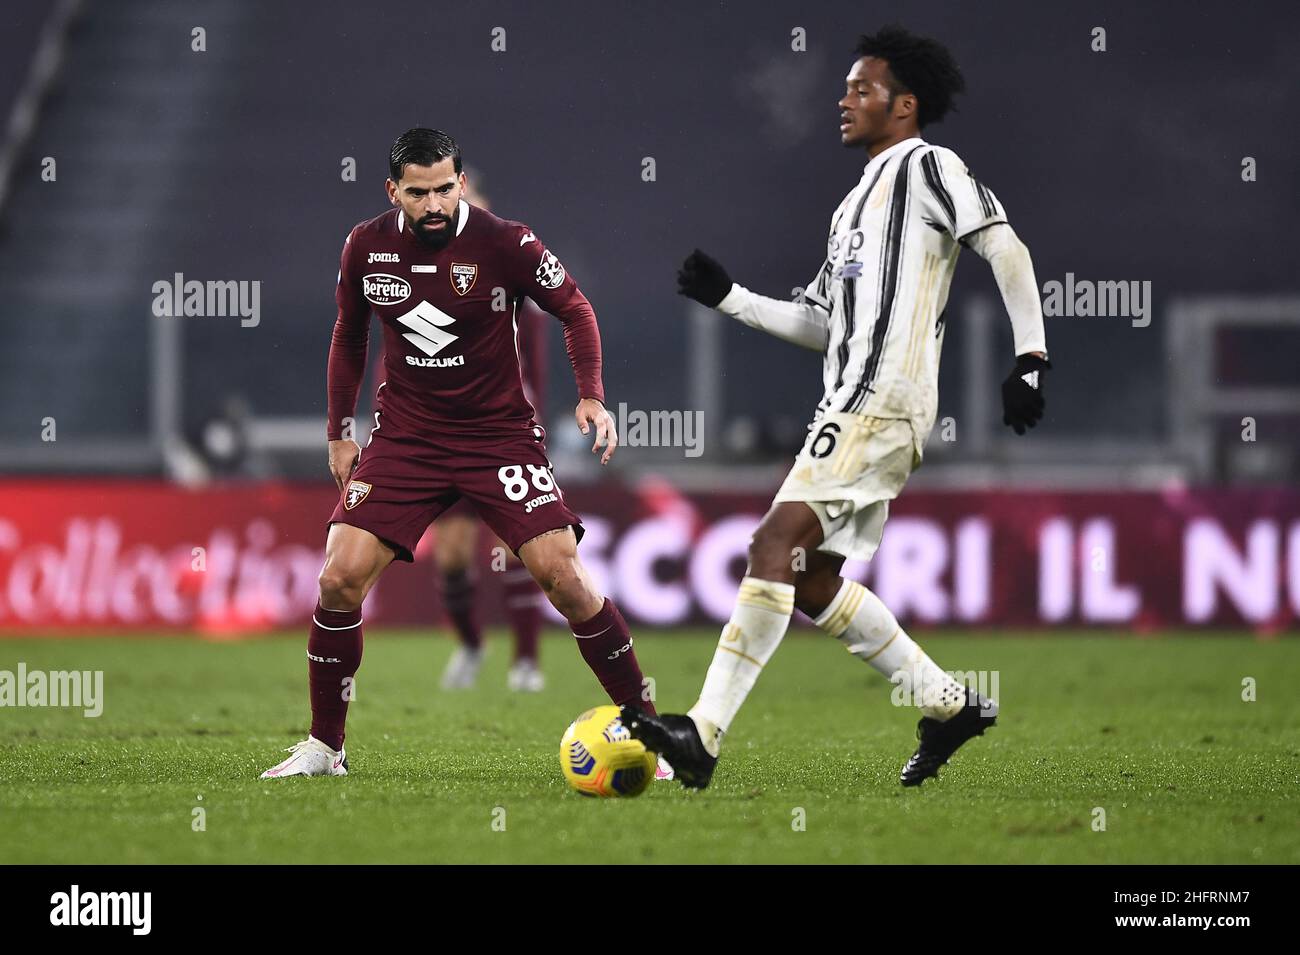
x=703 y=279
x=1022 y=393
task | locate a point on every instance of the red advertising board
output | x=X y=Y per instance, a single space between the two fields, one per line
x=131 y=555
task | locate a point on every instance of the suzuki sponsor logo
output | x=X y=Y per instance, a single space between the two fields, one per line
x=426 y=323
x=454 y=362
x=380 y=288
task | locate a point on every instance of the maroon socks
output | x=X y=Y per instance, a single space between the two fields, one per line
x=523 y=610
x=606 y=645
x=333 y=656
x=458 y=600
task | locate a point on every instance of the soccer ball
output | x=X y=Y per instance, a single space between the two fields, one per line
x=599 y=757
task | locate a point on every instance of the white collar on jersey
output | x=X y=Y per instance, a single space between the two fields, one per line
x=889 y=153
x=462 y=208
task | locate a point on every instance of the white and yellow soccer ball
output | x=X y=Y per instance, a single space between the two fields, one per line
x=599 y=757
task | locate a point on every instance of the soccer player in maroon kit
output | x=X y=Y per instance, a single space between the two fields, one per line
x=456 y=552
x=446 y=278
x=455 y=544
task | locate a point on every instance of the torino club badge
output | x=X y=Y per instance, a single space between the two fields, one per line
x=462 y=277
x=356 y=493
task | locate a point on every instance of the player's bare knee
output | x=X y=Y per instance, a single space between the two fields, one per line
x=771 y=555
x=564 y=578
x=817 y=581
x=566 y=588
x=340 y=590
x=543 y=568
x=549 y=576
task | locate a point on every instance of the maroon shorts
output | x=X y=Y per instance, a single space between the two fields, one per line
x=461 y=508
x=402 y=485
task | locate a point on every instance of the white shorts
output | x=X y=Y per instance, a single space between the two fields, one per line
x=848 y=471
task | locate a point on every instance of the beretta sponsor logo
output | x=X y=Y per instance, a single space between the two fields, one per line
x=382 y=289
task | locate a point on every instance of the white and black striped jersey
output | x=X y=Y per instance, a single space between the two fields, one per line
x=893 y=245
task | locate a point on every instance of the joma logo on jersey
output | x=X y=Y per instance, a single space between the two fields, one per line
x=381 y=289
x=356 y=493
x=383 y=257
x=462 y=277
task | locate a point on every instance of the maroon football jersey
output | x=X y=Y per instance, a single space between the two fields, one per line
x=451 y=352
x=532 y=353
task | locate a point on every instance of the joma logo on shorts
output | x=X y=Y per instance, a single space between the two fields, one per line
x=538 y=502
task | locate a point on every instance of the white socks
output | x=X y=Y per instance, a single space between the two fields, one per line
x=757 y=625
x=858 y=619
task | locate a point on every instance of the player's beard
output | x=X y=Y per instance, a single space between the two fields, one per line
x=439 y=239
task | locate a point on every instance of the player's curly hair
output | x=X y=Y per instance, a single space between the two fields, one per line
x=422 y=147
x=918 y=65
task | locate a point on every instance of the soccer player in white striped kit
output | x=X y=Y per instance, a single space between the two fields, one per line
x=876 y=310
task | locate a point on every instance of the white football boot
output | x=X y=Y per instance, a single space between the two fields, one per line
x=311 y=757
x=462 y=669
x=525 y=677
x=663 y=770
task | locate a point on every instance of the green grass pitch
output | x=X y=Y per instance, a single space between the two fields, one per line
x=1152 y=731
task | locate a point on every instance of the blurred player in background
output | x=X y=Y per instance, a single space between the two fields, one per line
x=445 y=279
x=876 y=310
x=456 y=539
